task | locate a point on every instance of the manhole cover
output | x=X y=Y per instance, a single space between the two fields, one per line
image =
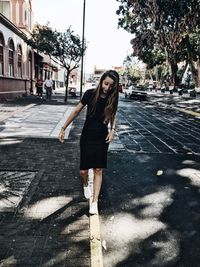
x=13 y=186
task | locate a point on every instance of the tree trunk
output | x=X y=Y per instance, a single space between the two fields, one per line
x=182 y=75
x=198 y=73
x=174 y=69
x=66 y=93
x=194 y=72
x=66 y=87
x=190 y=61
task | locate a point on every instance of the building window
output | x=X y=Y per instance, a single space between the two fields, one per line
x=5 y=8
x=11 y=58
x=19 y=61
x=1 y=54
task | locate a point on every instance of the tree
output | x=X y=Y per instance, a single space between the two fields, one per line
x=131 y=71
x=65 y=49
x=165 y=23
x=193 y=54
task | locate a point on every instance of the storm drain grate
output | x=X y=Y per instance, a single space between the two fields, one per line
x=13 y=186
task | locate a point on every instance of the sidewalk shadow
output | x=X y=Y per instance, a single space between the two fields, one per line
x=55 y=100
x=51 y=226
x=51 y=240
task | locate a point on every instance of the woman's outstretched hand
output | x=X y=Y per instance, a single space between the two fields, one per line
x=62 y=135
x=110 y=136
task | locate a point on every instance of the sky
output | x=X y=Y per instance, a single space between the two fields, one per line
x=107 y=46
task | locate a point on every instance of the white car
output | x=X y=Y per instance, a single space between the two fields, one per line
x=135 y=92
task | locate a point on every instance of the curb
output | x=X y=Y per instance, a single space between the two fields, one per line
x=95 y=236
x=190 y=112
x=186 y=111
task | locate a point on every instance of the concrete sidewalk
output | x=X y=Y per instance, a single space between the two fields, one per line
x=44 y=218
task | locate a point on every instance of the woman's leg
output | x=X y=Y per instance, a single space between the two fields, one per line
x=86 y=187
x=97 y=183
x=84 y=175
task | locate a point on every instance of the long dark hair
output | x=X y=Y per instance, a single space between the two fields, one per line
x=112 y=97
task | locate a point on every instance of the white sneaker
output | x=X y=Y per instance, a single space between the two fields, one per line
x=93 y=208
x=87 y=192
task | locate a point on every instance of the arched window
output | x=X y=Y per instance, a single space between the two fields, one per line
x=19 y=61
x=11 y=58
x=1 y=54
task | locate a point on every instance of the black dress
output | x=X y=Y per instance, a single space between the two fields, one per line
x=93 y=147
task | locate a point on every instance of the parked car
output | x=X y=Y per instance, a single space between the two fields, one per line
x=150 y=87
x=72 y=91
x=135 y=92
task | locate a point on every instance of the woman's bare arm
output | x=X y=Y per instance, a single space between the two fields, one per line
x=113 y=124
x=70 y=118
x=111 y=133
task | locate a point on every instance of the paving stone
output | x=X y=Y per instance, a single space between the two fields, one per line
x=57 y=192
x=55 y=232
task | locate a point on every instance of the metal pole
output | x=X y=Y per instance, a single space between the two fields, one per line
x=83 y=37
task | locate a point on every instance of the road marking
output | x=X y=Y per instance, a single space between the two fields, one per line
x=190 y=112
x=196 y=114
x=95 y=236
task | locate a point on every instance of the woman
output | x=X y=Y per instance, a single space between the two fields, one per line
x=102 y=105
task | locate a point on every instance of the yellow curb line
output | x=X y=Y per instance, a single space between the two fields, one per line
x=95 y=242
x=95 y=236
x=196 y=114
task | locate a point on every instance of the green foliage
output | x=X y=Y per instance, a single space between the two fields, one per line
x=65 y=49
x=194 y=39
x=43 y=39
x=171 y=25
x=133 y=75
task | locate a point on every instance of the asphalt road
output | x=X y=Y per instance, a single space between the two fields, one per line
x=150 y=199
x=149 y=205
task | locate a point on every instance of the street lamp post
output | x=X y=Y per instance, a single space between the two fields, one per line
x=83 y=37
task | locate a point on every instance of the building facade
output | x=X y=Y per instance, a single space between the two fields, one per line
x=20 y=65
x=16 y=58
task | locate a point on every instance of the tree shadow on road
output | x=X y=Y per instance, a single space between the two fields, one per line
x=50 y=226
x=150 y=210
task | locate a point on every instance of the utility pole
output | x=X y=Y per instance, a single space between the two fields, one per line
x=83 y=37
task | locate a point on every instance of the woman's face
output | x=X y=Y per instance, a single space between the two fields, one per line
x=107 y=84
